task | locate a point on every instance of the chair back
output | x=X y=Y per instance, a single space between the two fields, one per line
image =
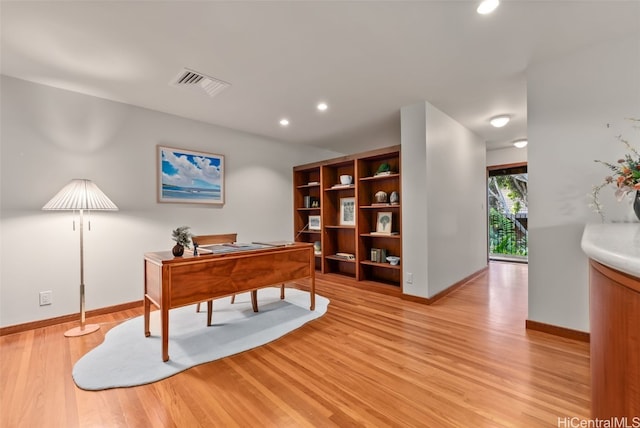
x=226 y=238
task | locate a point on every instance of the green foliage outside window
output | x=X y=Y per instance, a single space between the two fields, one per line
x=503 y=236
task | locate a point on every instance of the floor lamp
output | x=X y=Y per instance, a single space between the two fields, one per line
x=81 y=195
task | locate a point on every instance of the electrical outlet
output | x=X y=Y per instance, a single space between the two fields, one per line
x=409 y=278
x=46 y=298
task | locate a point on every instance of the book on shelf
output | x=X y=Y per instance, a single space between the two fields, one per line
x=346 y=256
x=339 y=186
x=384 y=233
x=378 y=255
x=313 y=183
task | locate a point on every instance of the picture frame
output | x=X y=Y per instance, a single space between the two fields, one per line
x=383 y=223
x=188 y=176
x=347 y=211
x=315 y=222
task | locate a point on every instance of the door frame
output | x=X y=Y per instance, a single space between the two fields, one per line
x=489 y=169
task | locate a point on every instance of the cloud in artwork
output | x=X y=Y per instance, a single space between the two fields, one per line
x=189 y=171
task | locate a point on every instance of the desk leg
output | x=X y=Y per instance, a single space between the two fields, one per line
x=254 y=300
x=147 y=305
x=209 y=312
x=312 y=268
x=313 y=293
x=164 y=314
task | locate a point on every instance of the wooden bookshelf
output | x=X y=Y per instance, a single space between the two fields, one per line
x=349 y=214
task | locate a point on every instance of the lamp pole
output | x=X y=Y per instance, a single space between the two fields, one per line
x=84 y=328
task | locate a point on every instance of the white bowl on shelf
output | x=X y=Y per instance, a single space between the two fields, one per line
x=345 y=179
x=394 y=260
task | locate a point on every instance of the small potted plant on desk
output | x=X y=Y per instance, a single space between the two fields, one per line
x=182 y=236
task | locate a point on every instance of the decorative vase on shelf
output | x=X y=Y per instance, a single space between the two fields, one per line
x=178 y=250
x=636 y=204
x=381 y=197
x=394 y=198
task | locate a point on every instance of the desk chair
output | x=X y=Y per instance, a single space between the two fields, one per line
x=200 y=240
x=227 y=238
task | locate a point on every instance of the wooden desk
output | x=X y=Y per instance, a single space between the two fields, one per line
x=171 y=282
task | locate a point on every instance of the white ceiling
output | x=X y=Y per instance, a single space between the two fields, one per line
x=366 y=59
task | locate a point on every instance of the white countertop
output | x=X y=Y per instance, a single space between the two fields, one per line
x=616 y=245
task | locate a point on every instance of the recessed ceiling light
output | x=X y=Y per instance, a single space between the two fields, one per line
x=322 y=106
x=487 y=6
x=499 y=121
x=521 y=143
x=284 y=122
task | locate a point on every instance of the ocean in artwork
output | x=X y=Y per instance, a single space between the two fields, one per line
x=189 y=193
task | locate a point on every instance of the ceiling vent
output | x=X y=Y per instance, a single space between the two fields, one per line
x=210 y=85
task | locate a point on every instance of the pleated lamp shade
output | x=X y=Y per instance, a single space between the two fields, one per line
x=80 y=194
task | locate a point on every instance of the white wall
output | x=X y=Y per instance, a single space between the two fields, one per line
x=443 y=208
x=506 y=156
x=415 y=251
x=570 y=101
x=50 y=136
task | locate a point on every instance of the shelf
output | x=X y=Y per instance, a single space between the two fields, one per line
x=340 y=259
x=340 y=227
x=380 y=265
x=375 y=235
x=307 y=186
x=380 y=177
x=333 y=189
x=308 y=209
x=309 y=231
x=373 y=207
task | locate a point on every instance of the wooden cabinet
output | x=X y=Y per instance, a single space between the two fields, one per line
x=615 y=343
x=350 y=241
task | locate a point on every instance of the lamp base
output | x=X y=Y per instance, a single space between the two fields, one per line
x=79 y=331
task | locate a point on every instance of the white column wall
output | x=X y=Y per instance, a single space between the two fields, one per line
x=570 y=101
x=413 y=197
x=443 y=200
x=456 y=194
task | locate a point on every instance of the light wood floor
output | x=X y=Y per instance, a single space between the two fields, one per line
x=373 y=360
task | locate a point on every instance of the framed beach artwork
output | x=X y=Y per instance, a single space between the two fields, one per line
x=187 y=176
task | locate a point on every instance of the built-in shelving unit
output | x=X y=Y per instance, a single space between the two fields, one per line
x=307 y=202
x=371 y=181
x=350 y=213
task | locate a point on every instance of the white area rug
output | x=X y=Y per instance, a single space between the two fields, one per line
x=128 y=358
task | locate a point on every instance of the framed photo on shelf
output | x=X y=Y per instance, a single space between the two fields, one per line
x=347 y=211
x=383 y=225
x=315 y=222
x=186 y=176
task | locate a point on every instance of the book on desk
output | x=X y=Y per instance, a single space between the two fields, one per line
x=239 y=246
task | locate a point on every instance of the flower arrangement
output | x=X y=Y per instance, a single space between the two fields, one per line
x=182 y=236
x=625 y=175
